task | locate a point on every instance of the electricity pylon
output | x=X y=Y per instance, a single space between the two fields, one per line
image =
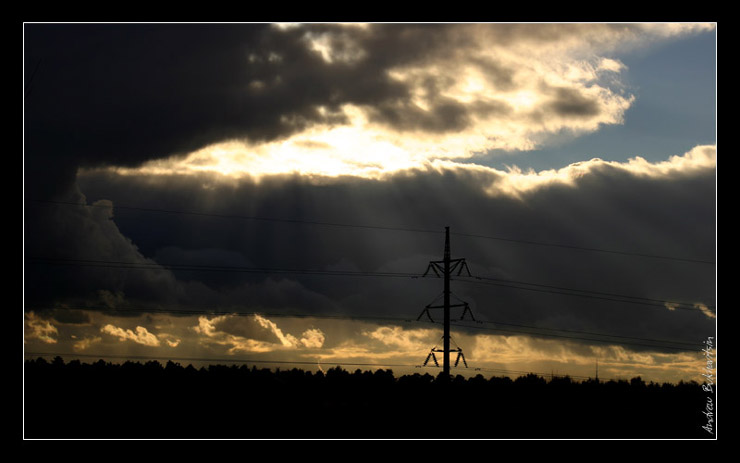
x=445 y=268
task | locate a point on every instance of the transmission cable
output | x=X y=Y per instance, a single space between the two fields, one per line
x=378 y=227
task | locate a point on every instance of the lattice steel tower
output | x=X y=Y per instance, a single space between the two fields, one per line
x=445 y=267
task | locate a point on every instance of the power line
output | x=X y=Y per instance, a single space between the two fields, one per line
x=629 y=339
x=574 y=337
x=583 y=248
x=585 y=291
x=577 y=293
x=239 y=216
x=318 y=363
x=203 y=359
x=537 y=287
x=196 y=311
x=591 y=333
x=377 y=227
x=210 y=268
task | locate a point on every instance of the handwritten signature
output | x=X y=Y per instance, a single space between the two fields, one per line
x=709 y=384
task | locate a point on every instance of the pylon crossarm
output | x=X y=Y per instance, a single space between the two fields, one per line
x=446 y=268
x=442 y=306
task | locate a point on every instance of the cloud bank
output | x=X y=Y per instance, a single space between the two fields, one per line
x=661 y=209
x=170 y=141
x=323 y=97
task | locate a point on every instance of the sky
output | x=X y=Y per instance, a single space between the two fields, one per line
x=272 y=194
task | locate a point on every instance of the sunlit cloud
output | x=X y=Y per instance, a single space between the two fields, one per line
x=705 y=310
x=417 y=111
x=169 y=340
x=220 y=331
x=516 y=182
x=380 y=345
x=511 y=182
x=313 y=338
x=85 y=343
x=477 y=88
x=39 y=328
x=140 y=336
x=509 y=87
x=403 y=340
x=617 y=361
x=523 y=352
x=671 y=306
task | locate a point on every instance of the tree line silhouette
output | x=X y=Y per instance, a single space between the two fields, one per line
x=134 y=400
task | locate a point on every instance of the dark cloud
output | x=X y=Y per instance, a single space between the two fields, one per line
x=445 y=116
x=72 y=317
x=569 y=102
x=609 y=208
x=122 y=94
x=125 y=94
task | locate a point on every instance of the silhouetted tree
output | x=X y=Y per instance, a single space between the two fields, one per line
x=105 y=400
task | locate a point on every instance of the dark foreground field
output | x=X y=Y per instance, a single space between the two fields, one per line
x=150 y=400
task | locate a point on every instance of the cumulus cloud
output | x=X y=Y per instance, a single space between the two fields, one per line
x=140 y=336
x=85 y=343
x=85 y=243
x=405 y=340
x=522 y=353
x=349 y=124
x=517 y=183
x=39 y=328
x=705 y=310
x=169 y=339
x=661 y=208
x=671 y=306
x=313 y=338
x=253 y=334
x=401 y=94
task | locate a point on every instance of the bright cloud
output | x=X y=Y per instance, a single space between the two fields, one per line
x=140 y=336
x=705 y=310
x=313 y=338
x=404 y=340
x=170 y=340
x=39 y=328
x=85 y=343
x=478 y=88
x=516 y=182
x=614 y=361
x=217 y=331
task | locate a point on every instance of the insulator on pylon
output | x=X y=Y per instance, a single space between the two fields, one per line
x=464 y=266
x=433 y=268
x=460 y=355
x=467 y=310
x=425 y=311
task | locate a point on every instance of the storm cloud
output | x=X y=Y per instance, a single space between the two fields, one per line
x=177 y=175
x=123 y=94
x=598 y=205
